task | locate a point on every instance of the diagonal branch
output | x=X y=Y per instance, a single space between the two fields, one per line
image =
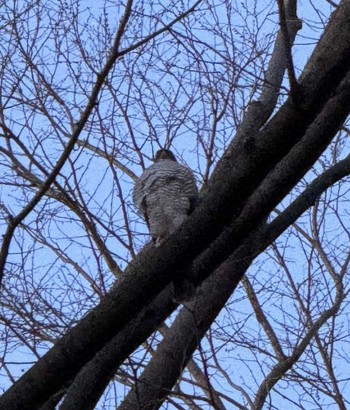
x=279 y=60
x=91 y=382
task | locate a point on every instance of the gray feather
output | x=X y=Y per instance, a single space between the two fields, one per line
x=164 y=196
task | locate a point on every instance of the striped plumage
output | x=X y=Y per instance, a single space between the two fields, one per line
x=165 y=195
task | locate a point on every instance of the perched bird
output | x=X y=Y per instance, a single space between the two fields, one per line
x=164 y=195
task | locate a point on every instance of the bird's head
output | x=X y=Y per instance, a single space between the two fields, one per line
x=164 y=154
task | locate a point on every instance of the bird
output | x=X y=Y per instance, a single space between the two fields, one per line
x=165 y=195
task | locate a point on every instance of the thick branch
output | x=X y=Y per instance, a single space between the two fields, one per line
x=91 y=382
x=278 y=182
x=278 y=62
x=183 y=337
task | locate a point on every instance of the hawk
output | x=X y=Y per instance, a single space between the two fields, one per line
x=164 y=195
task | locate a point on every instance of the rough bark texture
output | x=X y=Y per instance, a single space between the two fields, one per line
x=90 y=383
